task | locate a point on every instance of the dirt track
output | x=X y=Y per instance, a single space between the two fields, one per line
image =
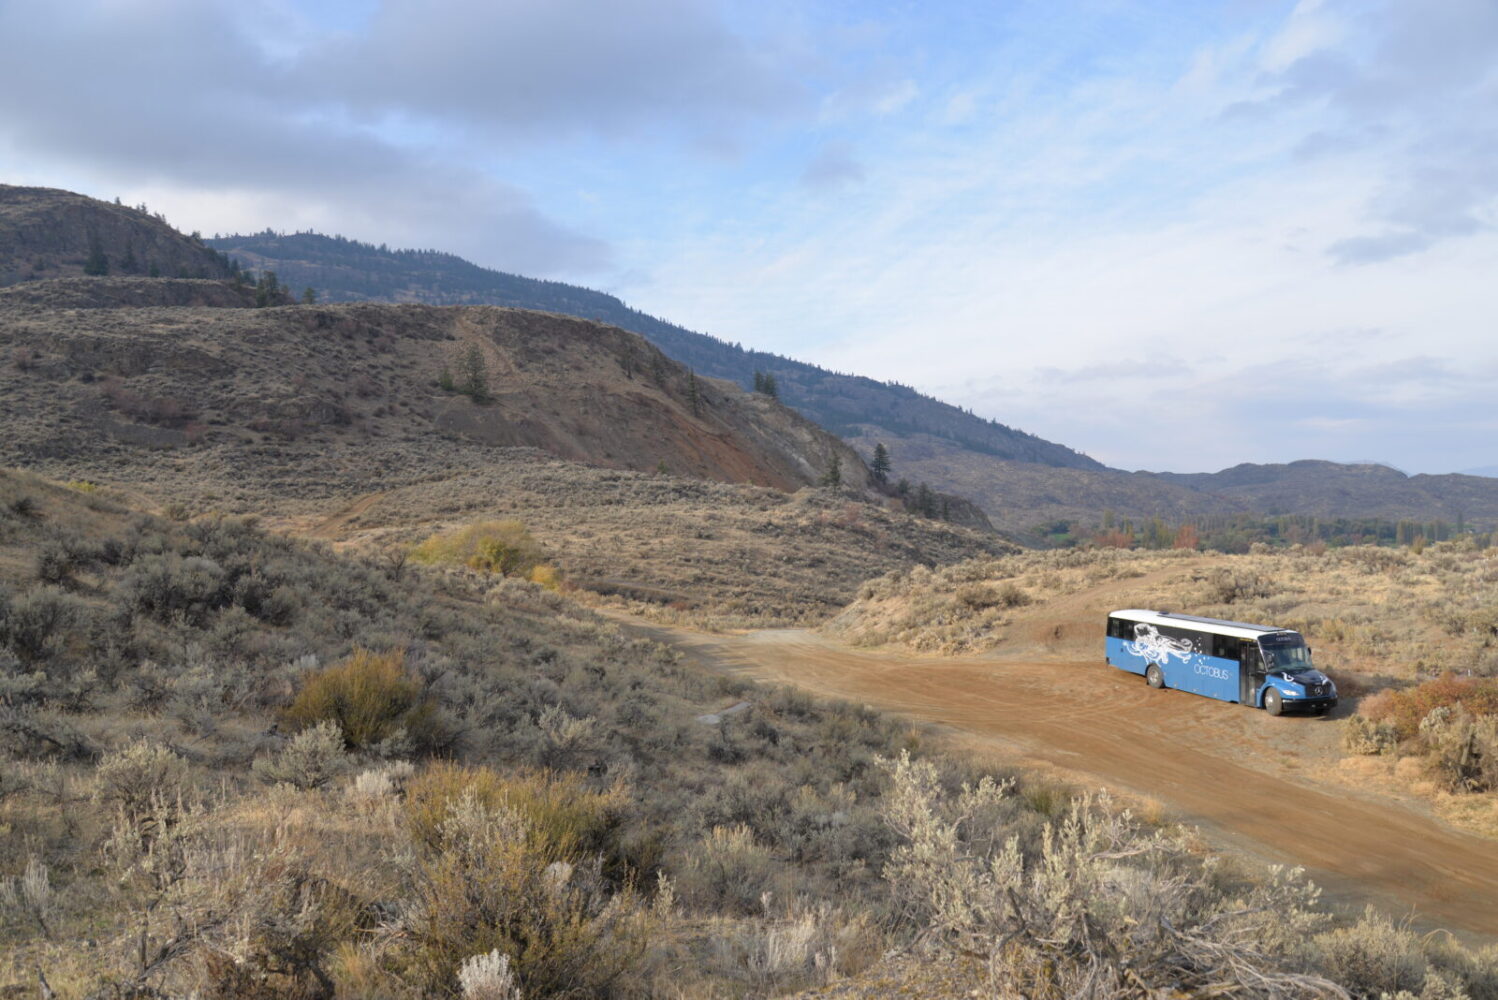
x=1248 y=779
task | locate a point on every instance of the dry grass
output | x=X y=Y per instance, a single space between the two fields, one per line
x=1376 y=615
x=589 y=827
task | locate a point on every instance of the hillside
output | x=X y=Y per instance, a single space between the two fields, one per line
x=1021 y=482
x=347 y=271
x=1329 y=489
x=47 y=233
x=586 y=432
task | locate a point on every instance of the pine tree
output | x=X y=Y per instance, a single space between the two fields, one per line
x=693 y=394
x=772 y=388
x=97 y=265
x=309 y=296
x=129 y=265
x=475 y=374
x=925 y=501
x=833 y=477
x=880 y=465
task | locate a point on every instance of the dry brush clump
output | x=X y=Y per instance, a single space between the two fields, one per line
x=1104 y=908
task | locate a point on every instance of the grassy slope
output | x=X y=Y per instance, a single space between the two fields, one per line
x=741 y=857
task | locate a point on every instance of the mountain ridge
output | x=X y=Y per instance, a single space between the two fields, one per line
x=348 y=270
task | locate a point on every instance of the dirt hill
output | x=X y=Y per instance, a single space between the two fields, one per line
x=291 y=377
x=47 y=233
x=640 y=479
x=348 y=271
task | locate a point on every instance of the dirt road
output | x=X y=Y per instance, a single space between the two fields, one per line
x=1248 y=779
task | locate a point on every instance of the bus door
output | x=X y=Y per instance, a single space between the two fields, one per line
x=1250 y=673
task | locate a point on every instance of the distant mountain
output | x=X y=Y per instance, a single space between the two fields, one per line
x=47 y=233
x=1330 y=489
x=342 y=270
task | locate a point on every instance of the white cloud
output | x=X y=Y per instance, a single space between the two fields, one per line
x=1128 y=226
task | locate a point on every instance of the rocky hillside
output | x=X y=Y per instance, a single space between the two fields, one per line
x=346 y=271
x=46 y=233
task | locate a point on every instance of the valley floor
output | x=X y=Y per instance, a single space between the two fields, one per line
x=1256 y=783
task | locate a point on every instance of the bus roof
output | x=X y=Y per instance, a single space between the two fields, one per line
x=1217 y=626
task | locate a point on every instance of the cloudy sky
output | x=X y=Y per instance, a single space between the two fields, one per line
x=1174 y=235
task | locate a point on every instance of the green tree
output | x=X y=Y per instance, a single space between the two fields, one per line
x=693 y=394
x=880 y=464
x=925 y=501
x=129 y=265
x=309 y=296
x=97 y=264
x=267 y=290
x=772 y=388
x=475 y=373
x=834 y=475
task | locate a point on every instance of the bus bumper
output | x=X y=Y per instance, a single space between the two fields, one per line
x=1310 y=704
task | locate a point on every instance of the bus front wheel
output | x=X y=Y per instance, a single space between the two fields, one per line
x=1272 y=702
x=1154 y=676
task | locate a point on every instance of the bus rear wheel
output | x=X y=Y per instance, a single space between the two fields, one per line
x=1273 y=704
x=1154 y=676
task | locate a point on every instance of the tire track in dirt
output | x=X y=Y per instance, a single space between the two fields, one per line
x=1245 y=777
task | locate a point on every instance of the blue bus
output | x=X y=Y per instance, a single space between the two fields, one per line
x=1258 y=665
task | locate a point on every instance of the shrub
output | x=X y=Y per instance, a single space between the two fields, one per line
x=503 y=547
x=56 y=562
x=140 y=774
x=1103 y=909
x=311 y=759
x=36 y=623
x=1373 y=957
x=1407 y=708
x=728 y=870
x=30 y=894
x=488 y=977
x=492 y=879
x=169 y=587
x=563 y=819
x=373 y=700
x=546 y=575
x=1463 y=748
x=1362 y=735
x=1228 y=586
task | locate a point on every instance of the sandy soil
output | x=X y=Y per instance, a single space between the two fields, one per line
x=1252 y=782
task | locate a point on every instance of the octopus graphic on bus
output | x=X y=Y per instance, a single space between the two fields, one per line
x=1157 y=648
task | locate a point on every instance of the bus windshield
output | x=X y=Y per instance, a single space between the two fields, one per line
x=1288 y=653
